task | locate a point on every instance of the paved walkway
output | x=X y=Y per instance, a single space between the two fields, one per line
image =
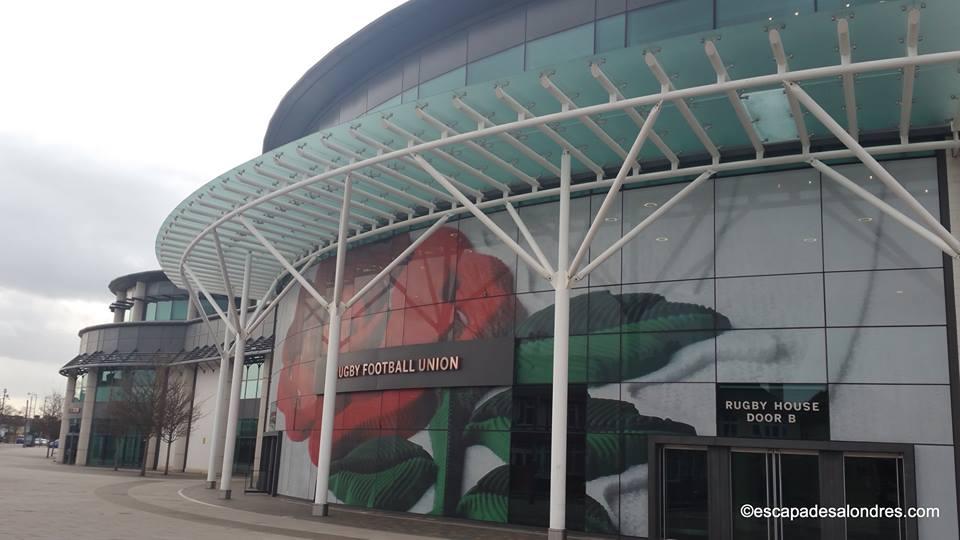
x=41 y=499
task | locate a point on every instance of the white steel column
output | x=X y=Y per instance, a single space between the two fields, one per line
x=216 y=437
x=233 y=411
x=561 y=342
x=64 y=420
x=335 y=309
x=86 y=414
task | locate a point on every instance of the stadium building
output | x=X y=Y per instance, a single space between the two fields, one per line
x=614 y=266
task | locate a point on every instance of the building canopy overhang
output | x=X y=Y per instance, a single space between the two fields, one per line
x=752 y=96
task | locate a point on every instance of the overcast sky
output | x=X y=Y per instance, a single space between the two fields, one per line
x=111 y=113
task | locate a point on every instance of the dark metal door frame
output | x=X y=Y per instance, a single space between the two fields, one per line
x=719 y=482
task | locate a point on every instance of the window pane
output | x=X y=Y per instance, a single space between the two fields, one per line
x=879 y=355
x=771 y=356
x=550 y=16
x=666 y=19
x=611 y=33
x=395 y=100
x=354 y=105
x=914 y=414
x=164 y=310
x=151 y=314
x=772 y=301
x=494 y=35
x=857 y=236
x=573 y=43
x=886 y=297
x=769 y=224
x=611 y=230
x=444 y=56
x=870 y=481
x=179 y=311
x=731 y=12
x=508 y=62
x=384 y=87
x=541 y=220
x=486 y=266
x=606 y=8
x=443 y=83
x=679 y=244
x=685 y=494
x=411 y=72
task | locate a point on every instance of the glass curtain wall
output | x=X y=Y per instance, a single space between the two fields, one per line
x=779 y=278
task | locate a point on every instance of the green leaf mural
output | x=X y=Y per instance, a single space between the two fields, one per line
x=488 y=500
x=389 y=473
x=596 y=518
x=653 y=329
x=607 y=419
x=489 y=425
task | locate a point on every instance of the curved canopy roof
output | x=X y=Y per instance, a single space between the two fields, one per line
x=887 y=74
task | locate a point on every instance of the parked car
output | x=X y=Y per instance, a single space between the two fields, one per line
x=54 y=443
x=19 y=440
x=41 y=441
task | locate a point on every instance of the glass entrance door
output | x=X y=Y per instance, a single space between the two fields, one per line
x=773 y=478
x=701 y=489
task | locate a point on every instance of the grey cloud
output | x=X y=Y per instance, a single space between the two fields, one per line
x=69 y=223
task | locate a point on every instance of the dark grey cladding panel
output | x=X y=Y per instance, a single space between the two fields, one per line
x=495 y=35
x=606 y=8
x=551 y=16
x=484 y=362
x=129 y=332
x=159 y=288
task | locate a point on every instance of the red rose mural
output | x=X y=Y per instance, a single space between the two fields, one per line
x=445 y=291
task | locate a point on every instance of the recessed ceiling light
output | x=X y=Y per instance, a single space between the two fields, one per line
x=810 y=240
x=611 y=219
x=650 y=205
x=796 y=13
x=899 y=292
x=769 y=18
x=925 y=190
x=662 y=239
x=870 y=177
x=865 y=219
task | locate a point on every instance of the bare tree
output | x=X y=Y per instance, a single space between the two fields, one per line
x=136 y=406
x=48 y=425
x=153 y=404
x=178 y=414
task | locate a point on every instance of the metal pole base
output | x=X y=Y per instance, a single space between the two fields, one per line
x=225 y=494
x=321 y=510
x=556 y=534
x=211 y=484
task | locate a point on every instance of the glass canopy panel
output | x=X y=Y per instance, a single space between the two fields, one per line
x=810 y=40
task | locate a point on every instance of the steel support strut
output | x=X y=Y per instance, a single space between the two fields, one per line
x=561 y=345
x=615 y=187
x=335 y=309
x=483 y=218
x=872 y=164
x=233 y=411
x=607 y=253
x=881 y=205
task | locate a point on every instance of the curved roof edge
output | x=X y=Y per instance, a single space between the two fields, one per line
x=122 y=283
x=389 y=37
